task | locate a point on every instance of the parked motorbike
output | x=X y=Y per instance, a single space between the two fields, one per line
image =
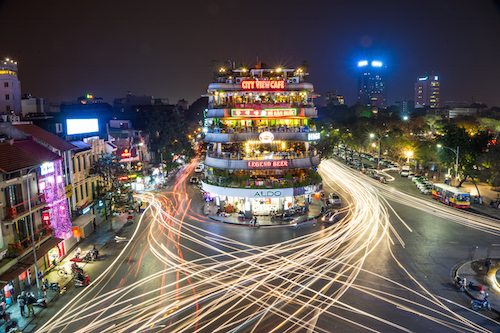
x=39 y=302
x=82 y=280
x=54 y=286
x=460 y=282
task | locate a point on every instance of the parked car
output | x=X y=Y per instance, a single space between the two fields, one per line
x=405 y=171
x=334 y=199
x=199 y=168
x=194 y=180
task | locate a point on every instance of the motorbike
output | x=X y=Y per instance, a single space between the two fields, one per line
x=76 y=269
x=480 y=304
x=54 y=286
x=82 y=280
x=39 y=302
x=11 y=327
x=460 y=282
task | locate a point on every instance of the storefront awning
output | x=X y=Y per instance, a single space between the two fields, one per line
x=28 y=260
x=82 y=220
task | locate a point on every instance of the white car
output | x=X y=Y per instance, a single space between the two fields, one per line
x=199 y=168
x=194 y=180
x=334 y=199
x=331 y=217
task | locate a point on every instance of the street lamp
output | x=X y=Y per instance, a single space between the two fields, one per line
x=408 y=154
x=374 y=136
x=28 y=187
x=456 y=152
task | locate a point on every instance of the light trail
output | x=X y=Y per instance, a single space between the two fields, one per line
x=206 y=282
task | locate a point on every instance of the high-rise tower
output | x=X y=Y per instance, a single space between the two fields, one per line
x=10 y=88
x=427 y=92
x=371 y=83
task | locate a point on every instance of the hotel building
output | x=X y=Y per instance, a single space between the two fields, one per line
x=260 y=140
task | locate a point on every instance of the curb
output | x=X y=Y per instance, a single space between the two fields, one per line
x=467 y=292
x=248 y=225
x=483 y=213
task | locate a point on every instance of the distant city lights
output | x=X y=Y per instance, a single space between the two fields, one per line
x=376 y=63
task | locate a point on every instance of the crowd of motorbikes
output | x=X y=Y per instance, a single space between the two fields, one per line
x=80 y=279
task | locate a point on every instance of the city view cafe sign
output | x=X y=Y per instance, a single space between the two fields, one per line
x=263 y=85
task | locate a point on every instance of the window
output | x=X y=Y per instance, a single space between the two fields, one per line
x=79 y=166
x=6 y=84
x=73 y=162
x=81 y=191
x=76 y=194
x=87 y=190
x=7 y=97
x=84 y=162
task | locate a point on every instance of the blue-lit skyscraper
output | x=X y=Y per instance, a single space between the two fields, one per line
x=371 y=83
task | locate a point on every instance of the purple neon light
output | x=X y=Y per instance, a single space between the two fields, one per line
x=55 y=196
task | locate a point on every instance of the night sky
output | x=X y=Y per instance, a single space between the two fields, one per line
x=169 y=48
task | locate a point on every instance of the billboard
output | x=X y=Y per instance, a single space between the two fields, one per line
x=81 y=126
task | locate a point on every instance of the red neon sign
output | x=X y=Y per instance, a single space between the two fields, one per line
x=267 y=164
x=126 y=153
x=46 y=218
x=263 y=113
x=263 y=85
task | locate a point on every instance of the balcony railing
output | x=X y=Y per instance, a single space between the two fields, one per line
x=259 y=106
x=264 y=156
x=245 y=182
x=25 y=244
x=13 y=211
x=272 y=129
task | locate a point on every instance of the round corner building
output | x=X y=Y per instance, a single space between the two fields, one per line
x=260 y=139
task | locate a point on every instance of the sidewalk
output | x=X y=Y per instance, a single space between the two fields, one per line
x=266 y=221
x=476 y=272
x=99 y=238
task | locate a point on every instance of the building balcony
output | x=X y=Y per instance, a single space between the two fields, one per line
x=278 y=161
x=245 y=181
x=24 y=245
x=303 y=133
x=225 y=111
x=20 y=210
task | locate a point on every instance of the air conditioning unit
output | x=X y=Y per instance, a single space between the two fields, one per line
x=293 y=80
x=239 y=79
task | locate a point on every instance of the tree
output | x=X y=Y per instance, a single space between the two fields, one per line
x=471 y=146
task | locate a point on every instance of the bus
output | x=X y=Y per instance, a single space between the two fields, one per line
x=451 y=196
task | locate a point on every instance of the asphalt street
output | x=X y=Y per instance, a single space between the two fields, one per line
x=385 y=267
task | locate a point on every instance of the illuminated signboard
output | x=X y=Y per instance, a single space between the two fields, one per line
x=264 y=113
x=80 y=126
x=263 y=85
x=267 y=164
x=46 y=168
x=313 y=136
x=266 y=137
x=126 y=154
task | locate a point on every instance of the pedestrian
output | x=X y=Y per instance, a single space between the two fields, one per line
x=21 y=300
x=29 y=301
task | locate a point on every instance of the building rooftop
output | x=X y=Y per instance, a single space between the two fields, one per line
x=18 y=155
x=80 y=146
x=44 y=136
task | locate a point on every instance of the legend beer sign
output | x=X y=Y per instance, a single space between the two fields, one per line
x=266 y=164
x=263 y=85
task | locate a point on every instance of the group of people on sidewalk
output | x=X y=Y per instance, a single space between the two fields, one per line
x=26 y=300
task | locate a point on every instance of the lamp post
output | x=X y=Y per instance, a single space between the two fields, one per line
x=373 y=136
x=456 y=152
x=28 y=187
